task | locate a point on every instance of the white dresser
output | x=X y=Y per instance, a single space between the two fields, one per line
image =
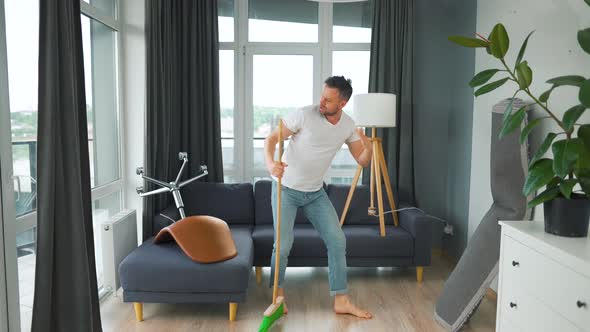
x=544 y=280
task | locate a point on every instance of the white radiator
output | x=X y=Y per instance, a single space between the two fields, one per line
x=119 y=238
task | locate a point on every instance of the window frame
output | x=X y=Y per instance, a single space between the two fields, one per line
x=243 y=167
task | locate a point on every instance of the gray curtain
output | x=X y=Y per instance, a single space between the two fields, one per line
x=391 y=72
x=182 y=112
x=66 y=295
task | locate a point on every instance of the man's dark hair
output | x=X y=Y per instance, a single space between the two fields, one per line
x=342 y=84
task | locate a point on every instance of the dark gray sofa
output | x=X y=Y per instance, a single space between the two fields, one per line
x=163 y=274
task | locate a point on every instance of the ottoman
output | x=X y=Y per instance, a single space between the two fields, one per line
x=162 y=273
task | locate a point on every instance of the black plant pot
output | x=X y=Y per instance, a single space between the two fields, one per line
x=567 y=217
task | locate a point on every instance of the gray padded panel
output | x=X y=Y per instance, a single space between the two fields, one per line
x=350 y=261
x=165 y=268
x=233 y=202
x=361 y=241
x=467 y=284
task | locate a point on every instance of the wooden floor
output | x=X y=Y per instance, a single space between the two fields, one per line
x=396 y=300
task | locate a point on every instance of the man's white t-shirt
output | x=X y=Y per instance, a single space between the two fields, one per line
x=313 y=146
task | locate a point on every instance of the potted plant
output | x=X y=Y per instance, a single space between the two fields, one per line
x=567 y=176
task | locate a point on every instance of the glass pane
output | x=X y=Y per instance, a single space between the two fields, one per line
x=226 y=92
x=225 y=20
x=227 y=152
x=100 y=72
x=353 y=65
x=105 y=7
x=22 y=42
x=273 y=99
x=26 y=243
x=102 y=209
x=283 y=21
x=352 y=22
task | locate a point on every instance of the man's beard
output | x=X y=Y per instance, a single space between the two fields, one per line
x=327 y=113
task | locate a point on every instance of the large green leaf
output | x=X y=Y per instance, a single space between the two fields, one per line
x=584 y=39
x=574 y=80
x=513 y=122
x=554 y=182
x=482 y=77
x=539 y=175
x=522 y=49
x=584 y=135
x=582 y=167
x=524 y=73
x=529 y=128
x=543 y=197
x=509 y=109
x=490 y=87
x=571 y=116
x=588 y=2
x=584 y=95
x=543 y=148
x=545 y=95
x=585 y=184
x=567 y=186
x=499 y=41
x=468 y=42
x=565 y=154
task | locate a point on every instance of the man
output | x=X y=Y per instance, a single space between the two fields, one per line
x=317 y=133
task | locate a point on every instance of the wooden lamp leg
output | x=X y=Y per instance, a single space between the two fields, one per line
x=359 y=169
x=379 y=189
x=387 y=183
x=372 y=211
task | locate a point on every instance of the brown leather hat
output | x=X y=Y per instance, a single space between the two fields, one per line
x=205 y=239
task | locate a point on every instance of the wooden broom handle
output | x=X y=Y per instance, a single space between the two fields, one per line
x=278 y=247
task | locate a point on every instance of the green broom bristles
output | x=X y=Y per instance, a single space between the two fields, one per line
x=273 y=317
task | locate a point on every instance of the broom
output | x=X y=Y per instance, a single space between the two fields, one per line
x=276 y=309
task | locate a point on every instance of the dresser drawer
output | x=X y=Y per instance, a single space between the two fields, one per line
x=521 y=311
x=556 y=286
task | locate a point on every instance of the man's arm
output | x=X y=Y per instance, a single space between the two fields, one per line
x=361 y=150
x=274 y=168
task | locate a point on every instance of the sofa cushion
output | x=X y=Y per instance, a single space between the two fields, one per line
x=361 y=199
x=233 y=203
x=262 y=192
x=361 y=241
x=165 y=268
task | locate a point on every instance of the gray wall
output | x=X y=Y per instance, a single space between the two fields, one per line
x=443 y=115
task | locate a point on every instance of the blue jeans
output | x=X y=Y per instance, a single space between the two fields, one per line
x=321 y=213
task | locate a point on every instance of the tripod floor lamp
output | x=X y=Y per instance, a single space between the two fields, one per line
x=374 y=110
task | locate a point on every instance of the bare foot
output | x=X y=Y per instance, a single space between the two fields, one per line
x=343 y=305
x=281 y=292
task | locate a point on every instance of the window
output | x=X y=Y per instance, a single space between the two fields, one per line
x=275 y=60
x=100 y=73
x=226 y=96
x=352 y=22
x=104 y=7
x=225 y=11
x=99 y=34
x=282 y=21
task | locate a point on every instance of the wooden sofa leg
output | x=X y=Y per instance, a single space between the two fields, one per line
x=233 y=310
x=419 y=273
x=138 y=311
x=258 y=274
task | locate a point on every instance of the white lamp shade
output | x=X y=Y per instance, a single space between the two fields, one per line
x=374 y=110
